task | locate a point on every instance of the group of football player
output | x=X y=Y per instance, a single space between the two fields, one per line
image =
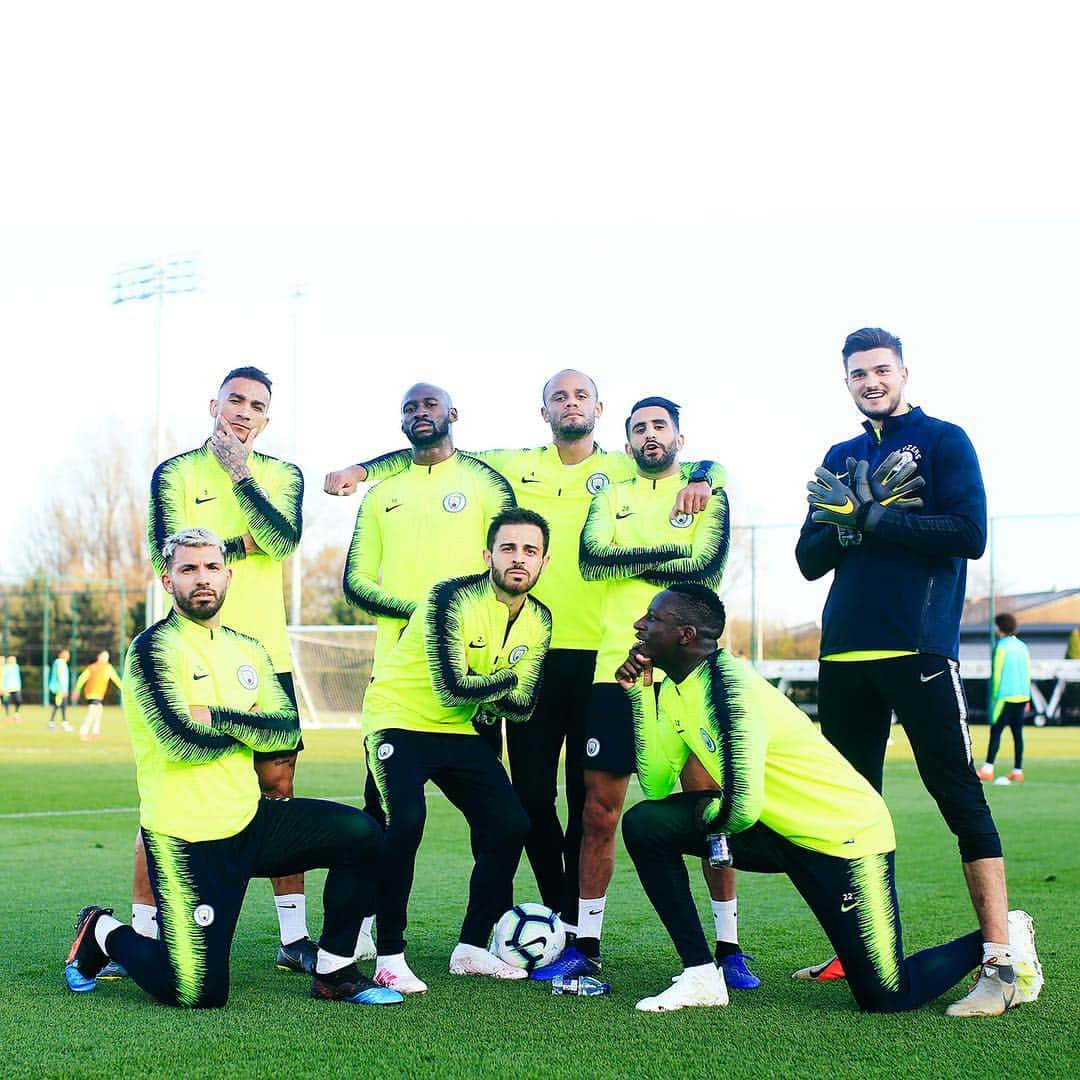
x=563 y=600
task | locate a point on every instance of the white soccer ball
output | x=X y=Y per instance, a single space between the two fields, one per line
x=528 y=936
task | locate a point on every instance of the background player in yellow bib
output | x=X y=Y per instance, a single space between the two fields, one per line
x=255 y=503
x=95 y=679
x=558 y=481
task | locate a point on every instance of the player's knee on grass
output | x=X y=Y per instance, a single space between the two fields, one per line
x=276 y=776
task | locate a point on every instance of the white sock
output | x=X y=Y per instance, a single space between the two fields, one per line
x=292 y=917
x=144 y=920
x=590 y=917
x=996 y=951
x=366 y=924
x=105 y=925
x=725 y=919
x=326 y=963
x=395 y=964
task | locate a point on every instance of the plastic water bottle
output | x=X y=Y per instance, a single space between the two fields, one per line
x=717 y=851
x=579 y=985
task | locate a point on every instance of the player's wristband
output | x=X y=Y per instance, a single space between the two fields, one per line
x=699 y=476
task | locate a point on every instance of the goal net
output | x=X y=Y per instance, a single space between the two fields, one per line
x=331 y=670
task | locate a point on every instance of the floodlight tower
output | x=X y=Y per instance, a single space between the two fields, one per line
x=154 y=281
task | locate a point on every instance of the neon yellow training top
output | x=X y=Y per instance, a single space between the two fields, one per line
x=458 y=655
x=96 y=679
x=198 y=782
x=192 y=490
x=414 y=529
x=772 y=764
x=635 y=545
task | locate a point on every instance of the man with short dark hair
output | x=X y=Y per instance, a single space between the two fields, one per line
x=773 y=796
x=255 y=502
x=1010 y=692
x=199 y=699
x=472 y=653
x=896 y=513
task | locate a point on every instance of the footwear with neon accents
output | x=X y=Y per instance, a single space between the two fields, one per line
x=299 y=956
x=571 y=961
x=993 y=991
x=349 y=986
x=1029 y=972
x=400 y=977
x=831 y=969
x=112 y=970
x=472 y=960
x=1017 y=776
x=702 y=986
x=985 y=773
x=86 y=958
x=736 y=974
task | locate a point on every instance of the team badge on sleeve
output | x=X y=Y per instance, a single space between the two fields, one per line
x=597 y=482
x=592 y=748
x=517 y=653
x=384 y=751
x=682 y=520
x=248 y=677
x=454 y=503
x=203 y=915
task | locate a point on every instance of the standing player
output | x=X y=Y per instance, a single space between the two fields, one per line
x=255 y=502
x=891 y=626
x=790 y=804
x=417 y=527
x=96 y=679
x=634 y=543
x=1010 y=692
x=12 y=687
x=473 y=649
x=200 y=698
x=59 y=688
x=558 y=481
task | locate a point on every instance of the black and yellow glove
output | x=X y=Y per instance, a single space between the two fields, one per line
x=894 y=481
x=836 y=502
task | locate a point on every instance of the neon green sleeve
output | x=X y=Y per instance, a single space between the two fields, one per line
x=361 y=582
x=518 y=705
x=708 y=557
x=275 y=520
x=741 y=746
x=166 y=512
x=660 y=758
x=600 y=559
x=80 y=682
x=275 y=726
x=386 y=465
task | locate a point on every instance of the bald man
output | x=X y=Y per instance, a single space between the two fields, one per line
x=424 y=524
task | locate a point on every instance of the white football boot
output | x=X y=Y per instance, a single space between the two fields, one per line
x=702 y=985
x=472 y=960
x=1029 y=973
x=395 y=973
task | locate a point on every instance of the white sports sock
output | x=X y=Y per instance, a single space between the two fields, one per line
x=395 y=964
x=292 y=917
x=996 y=951
x=590 y=917
x=105 y=925
x=144 y=920
x=366 y=923
x=326 y=963
x=725 y=920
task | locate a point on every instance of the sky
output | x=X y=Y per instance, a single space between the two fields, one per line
x=692 y=200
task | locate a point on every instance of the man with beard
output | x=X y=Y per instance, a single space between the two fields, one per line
x=199 y=699
x=472 y=650
x=558 y=481
x=896 y=513
x=633 y=542
x=255 y=502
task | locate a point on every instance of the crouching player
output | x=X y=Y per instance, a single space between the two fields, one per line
x=471 y=654
x=199 y=698
x=790 y=804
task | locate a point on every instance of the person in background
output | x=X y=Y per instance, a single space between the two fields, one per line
x=1010 y=692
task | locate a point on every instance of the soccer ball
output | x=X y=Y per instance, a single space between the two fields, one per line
x=528 y=936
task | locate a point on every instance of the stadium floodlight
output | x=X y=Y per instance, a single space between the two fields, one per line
x=149 y=281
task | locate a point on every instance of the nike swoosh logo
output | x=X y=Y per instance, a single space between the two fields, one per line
x=209 y=498
x=847 y=507
x=396 y=506
x=204 y=675
x=927 y=678
x=629 y=513
x=849 y=907
x=526 y=480
x=598 y=911
x=477 y=644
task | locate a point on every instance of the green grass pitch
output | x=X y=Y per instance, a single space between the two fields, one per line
x=66 y=830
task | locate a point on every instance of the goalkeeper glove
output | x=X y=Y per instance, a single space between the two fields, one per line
x=894 y=481
x=837 y=503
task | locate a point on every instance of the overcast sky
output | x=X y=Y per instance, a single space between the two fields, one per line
x=679 y=199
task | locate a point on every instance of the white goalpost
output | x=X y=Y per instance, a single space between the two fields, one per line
x=331 y=670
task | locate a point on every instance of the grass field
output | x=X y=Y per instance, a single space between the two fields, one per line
x=67 y=822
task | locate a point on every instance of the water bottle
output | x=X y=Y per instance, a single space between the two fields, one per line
x=579 y=985
x=717 y=851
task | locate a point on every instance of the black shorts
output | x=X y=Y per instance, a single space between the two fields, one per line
x=609 y=731
x=285 y=678
x=94 y=700
x=13 y=697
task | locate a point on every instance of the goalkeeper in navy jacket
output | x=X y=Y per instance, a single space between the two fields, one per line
x=199 y=699
x=896 y=513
